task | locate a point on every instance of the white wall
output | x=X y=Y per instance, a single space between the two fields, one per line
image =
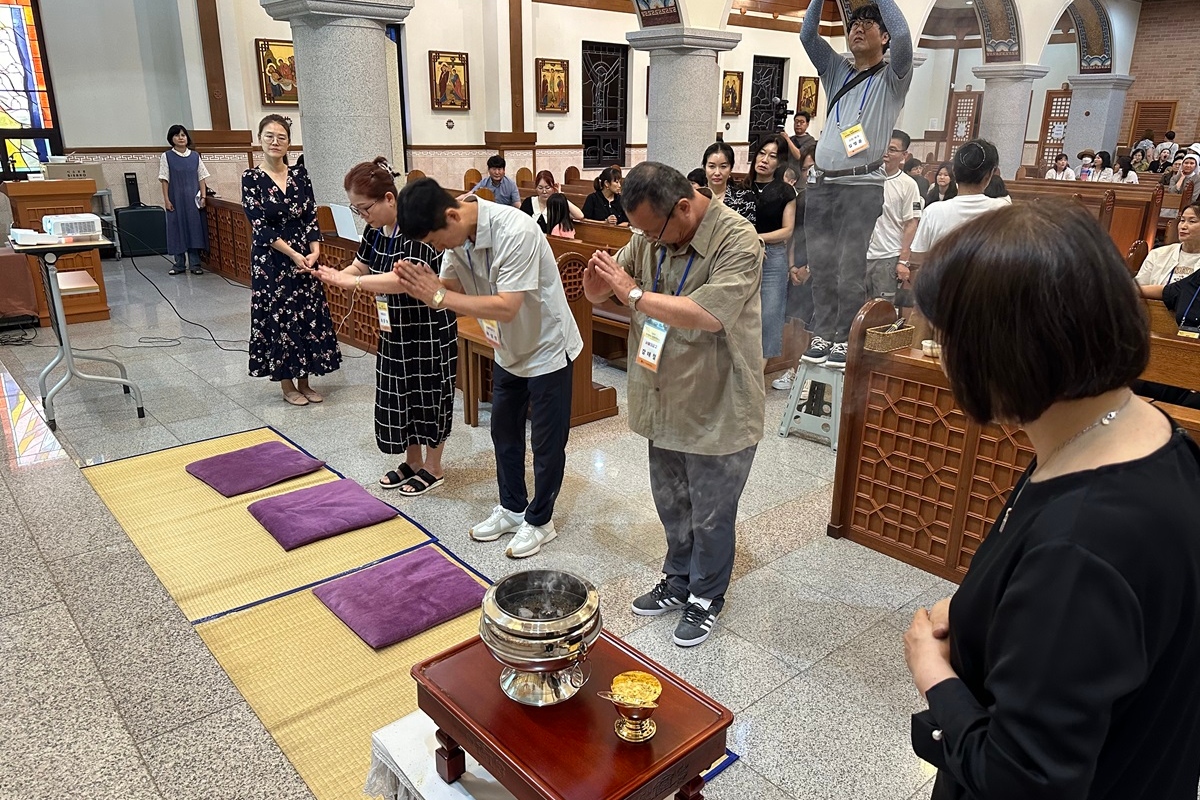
x=120 y=69
x=1062 y=61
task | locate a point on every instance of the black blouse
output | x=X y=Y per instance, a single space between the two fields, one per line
x=540 y=219
x=1076 y=638
x=598 y=207
x=771 y=199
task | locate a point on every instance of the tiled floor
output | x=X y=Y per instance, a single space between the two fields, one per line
x=106 y=691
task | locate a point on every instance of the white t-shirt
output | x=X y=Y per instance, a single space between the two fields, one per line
x=1166 y=265
x=510 y=254
x=1066 y=175
x=901 y=202
x=942 y=218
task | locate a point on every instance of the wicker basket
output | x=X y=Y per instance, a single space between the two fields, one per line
x=879 y=341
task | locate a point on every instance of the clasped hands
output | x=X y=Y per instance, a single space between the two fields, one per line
x=927 y=646
x=603 y=275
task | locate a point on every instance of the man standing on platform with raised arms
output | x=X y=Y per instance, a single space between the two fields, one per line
x=845 y=193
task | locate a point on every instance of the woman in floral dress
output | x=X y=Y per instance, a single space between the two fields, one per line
x=291 y=332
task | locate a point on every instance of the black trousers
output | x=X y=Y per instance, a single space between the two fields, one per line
x=838 y=222
x=548 y=398
x=697 y=499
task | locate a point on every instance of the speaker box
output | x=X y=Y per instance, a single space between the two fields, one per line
x=143 y=230
x=131 y=189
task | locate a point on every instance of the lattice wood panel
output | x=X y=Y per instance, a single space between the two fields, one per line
x=1157 y=115
x=1054 y=127
x=1002 y=454
x=909 y=465
x=963 y=120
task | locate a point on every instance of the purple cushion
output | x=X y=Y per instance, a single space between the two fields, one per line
x=318 y=512
x=253 y=468
x=400 y=598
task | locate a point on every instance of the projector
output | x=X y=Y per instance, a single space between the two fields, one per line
x=74 y=226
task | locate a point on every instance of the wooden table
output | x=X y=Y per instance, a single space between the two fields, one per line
x=569 y=751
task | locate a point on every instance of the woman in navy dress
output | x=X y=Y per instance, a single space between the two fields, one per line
x=184 y=180
x=291 y=332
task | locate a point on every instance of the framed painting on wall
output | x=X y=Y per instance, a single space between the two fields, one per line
x=553 y=85
x=731 y=94
x=277 y=72
x=806 y=100
x=449 y=81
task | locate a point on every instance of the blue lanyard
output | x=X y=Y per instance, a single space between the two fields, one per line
x=837 y=109
x=471 y=266
x=1183 y=320
x=658 y=273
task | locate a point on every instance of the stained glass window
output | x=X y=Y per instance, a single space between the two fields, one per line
x=26 y=116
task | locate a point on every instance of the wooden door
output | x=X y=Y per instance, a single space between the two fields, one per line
x=1054 y=128
x=1157 y=115
x=962 y=119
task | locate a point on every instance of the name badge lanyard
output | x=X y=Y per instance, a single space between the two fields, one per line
x=837 y=109
x=1187 y=311
x=491 y=328
x=381 y=300
x=654 y=332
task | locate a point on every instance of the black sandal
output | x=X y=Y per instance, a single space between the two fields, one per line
x=197 y=272
x=176 y=271
x=395 y=479
x=420 y=483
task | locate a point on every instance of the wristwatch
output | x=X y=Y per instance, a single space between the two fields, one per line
x=438 y=297
x=634 y=295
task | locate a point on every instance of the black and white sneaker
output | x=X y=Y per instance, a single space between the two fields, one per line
x=658 y=600
x=696 y=625
x=817 y=352
x=837 y=356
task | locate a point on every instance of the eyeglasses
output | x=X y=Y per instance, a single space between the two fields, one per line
x=768 y=155
x=666 y=222
x=545 y=189
x=274 y=137
x=892 y=151
x=362 y=212
x=863 y=25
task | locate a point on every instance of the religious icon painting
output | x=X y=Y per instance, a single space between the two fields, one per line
x=807 y=99
x=657 y=12
x=277 y=72
x=553 y=85
x=449 y=81
x=731 y=94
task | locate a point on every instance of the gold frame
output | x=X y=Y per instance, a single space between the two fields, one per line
x=452 y=62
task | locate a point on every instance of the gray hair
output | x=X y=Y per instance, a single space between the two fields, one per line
x=657 y=184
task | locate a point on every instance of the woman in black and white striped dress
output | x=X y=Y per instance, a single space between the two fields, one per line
x=415 y=367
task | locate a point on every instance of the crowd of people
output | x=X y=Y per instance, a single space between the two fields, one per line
x=1062 y=667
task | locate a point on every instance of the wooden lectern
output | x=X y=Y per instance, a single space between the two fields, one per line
x=32 y=200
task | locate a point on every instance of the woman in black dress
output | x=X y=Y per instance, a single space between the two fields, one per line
x=418 y=357
x=291 y=333
x=1065 y=665
x=604 y=204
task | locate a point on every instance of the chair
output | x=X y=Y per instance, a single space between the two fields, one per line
x=471 y=179
x=414 y=175
x=572 y=174
x=524 y=175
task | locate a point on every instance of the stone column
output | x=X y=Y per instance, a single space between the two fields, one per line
x=1008 y=89
x=1097 y=102
x=685 y=90
x=341 y=50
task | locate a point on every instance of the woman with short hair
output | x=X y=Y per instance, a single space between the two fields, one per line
x=184 y=180
x=1065 y=665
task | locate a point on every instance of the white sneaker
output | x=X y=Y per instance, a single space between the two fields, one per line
x=530 y=538
x=501 y=521
x=784 y=382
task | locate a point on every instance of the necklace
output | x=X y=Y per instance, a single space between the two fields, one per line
x=1105 y=419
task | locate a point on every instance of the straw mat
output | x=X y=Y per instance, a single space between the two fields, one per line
x=207 y=550
x=318 y=689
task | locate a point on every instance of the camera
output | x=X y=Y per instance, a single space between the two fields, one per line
x=781 y=111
